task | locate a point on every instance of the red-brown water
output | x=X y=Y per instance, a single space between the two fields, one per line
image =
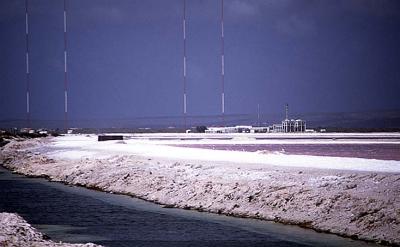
x=368 y=151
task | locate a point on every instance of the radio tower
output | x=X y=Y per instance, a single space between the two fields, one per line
x=222 y=64
x=65 y=70
x=28 y=113
x=184 y=62
x=286 y=111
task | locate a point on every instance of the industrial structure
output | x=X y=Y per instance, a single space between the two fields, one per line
x=289 y=125
x=286 y=126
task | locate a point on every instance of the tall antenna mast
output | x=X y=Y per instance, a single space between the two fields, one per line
x=28 y=113
x=258 y=115
x=287 y=111
x=184 y=62
x=222 y=64
x=65 y=70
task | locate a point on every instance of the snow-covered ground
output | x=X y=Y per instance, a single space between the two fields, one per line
x=15 y=231
x=78 y=146
x=347 y=196
x=267 y=138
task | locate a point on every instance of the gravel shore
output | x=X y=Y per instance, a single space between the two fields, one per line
x=357 y=204
x=15 y=231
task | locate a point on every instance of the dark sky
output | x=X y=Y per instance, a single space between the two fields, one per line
x=125 y=57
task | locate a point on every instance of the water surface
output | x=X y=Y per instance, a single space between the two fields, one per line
x=75 y=214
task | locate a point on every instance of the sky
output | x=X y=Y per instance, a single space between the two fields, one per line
x=125 y=57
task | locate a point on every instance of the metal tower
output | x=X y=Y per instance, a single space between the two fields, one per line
x=65 y=70
x=286 y=111
x=184 y=62
x=222 y=65
x=28 y=113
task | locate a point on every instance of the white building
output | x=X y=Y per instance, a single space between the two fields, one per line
x=231 y=129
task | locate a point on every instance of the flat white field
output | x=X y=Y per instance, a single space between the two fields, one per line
x=152 y=145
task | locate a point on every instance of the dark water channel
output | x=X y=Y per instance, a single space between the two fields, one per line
x=74 y=214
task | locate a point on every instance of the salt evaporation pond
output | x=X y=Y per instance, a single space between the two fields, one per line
x=75 y=214
x=368 y=151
